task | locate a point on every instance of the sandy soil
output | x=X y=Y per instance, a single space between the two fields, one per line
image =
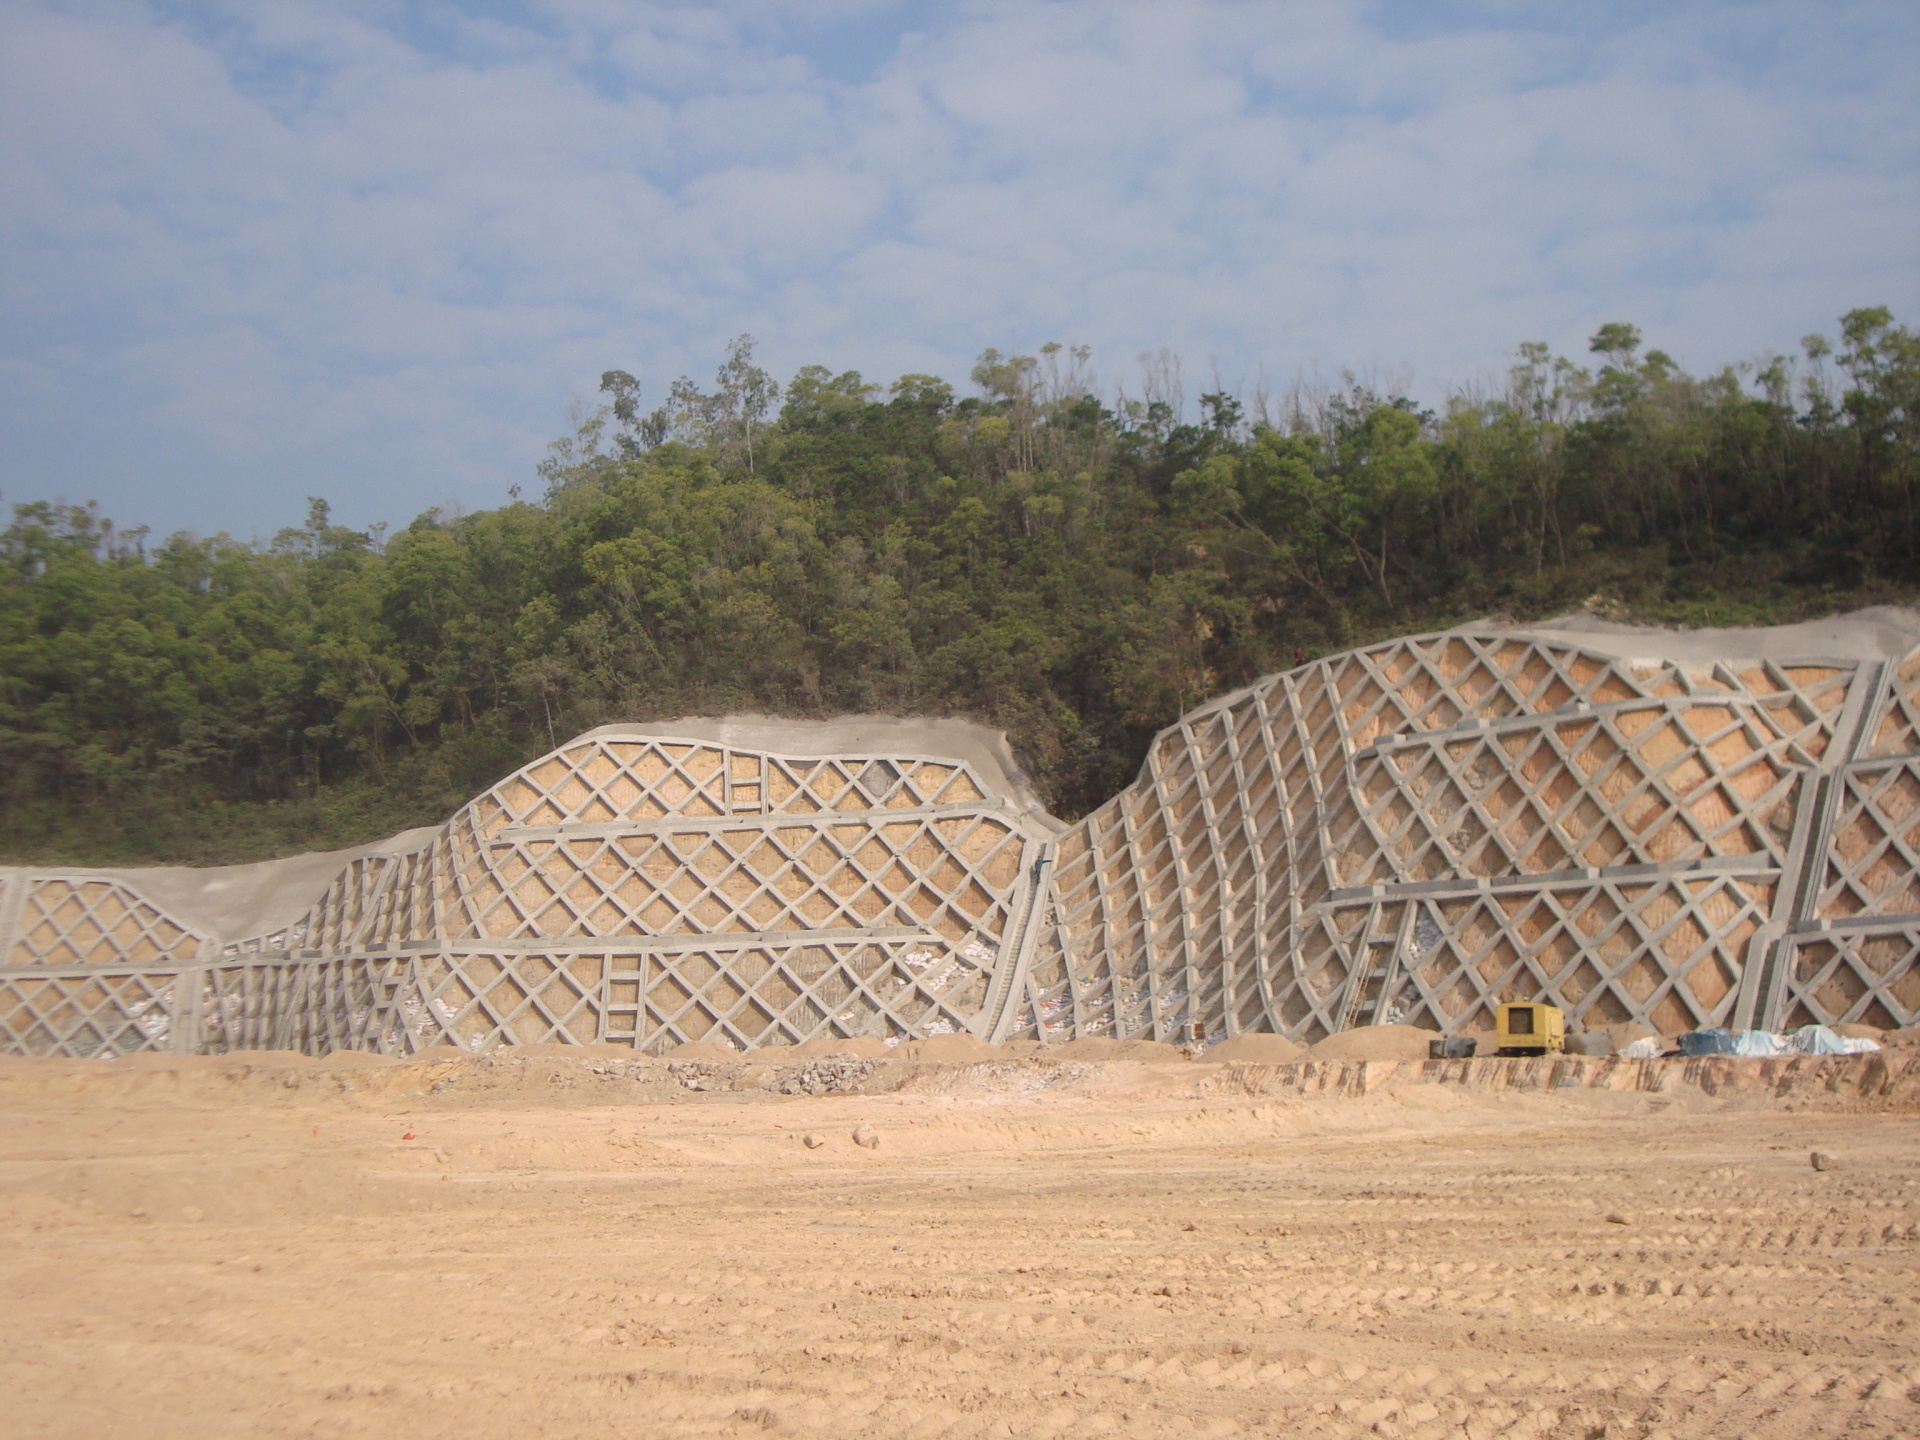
x=554 y=1246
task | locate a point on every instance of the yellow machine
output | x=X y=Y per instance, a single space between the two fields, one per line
x=1530 y=1030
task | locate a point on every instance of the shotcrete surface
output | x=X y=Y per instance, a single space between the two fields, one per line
x=1883 y=632
x=229 y=902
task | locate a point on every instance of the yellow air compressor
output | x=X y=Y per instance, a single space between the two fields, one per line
x=1530 y=1030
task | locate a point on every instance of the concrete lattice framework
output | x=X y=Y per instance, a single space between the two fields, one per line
x=1412 y=831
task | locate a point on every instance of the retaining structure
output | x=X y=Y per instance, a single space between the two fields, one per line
x=1415 y=831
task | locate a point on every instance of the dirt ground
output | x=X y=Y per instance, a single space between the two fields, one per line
x=552 y=1246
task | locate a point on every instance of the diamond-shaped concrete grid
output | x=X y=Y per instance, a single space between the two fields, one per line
x=77 y=921
x=1205 y=895
x=643 y=782
x=789 y=993
x=375 y=900
x=1415 y=830
x=1671 y=953
x=479 y=997
x=346 y=913
x=1634 y=784
x=84 y=1016
x=1873 y=862
x=313 y=1006
x=1867 y=976
x=1897 y=731
x=951 y=873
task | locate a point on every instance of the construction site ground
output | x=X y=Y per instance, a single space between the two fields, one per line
x=549 y=1244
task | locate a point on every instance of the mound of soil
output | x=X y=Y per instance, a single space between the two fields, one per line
x=158 y=1060
x=1257 y=1050
x=1376 y=1042
x=703 y=1050
x=1091 y=1047
x=1105 y=1047
x=948 y=1048
x=866 y=1047
x=1152 y=1052
x=363 y=1059
x=262 y=1057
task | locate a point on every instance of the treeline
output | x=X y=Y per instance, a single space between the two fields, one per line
x=1076 y=570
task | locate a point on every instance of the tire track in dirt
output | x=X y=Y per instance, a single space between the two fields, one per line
x=1071 y=1262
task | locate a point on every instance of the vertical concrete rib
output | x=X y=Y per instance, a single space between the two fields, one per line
x=1807 y=858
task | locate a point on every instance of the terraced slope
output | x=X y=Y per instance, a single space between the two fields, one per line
x=1720 y=828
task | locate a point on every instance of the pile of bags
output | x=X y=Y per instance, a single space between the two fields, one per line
x=1807 y=1040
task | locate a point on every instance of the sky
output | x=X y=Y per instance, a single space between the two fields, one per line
x=381 y=252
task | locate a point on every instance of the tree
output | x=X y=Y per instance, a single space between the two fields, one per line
x=1076 y=571
x=1882 y=360
x=730 y=419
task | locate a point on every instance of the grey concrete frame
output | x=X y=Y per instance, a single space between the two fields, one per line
x=1415 y=830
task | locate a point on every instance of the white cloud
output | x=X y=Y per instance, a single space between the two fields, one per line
x=254 y=252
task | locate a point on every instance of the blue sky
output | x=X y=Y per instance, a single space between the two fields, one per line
x=376 y=251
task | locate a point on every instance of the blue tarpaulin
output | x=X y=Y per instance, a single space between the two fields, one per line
x=1807 y=1040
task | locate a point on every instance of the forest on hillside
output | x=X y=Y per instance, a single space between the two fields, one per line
x=1073 y=569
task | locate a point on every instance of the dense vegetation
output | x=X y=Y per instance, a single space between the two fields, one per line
x=1075 y=571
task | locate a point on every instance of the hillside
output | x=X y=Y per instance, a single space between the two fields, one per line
x=1074 y=571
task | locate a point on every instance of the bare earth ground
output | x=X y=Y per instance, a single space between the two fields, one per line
x=546 y=1246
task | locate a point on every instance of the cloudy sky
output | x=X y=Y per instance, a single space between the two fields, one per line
x=252 y=252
